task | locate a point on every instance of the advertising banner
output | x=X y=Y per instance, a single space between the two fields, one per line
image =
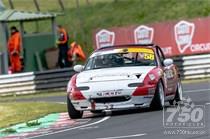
x=185 y=37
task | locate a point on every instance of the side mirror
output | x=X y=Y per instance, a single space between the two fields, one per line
x=168 y=62
x=78 y=68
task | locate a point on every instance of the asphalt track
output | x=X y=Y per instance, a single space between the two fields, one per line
x=138 y=124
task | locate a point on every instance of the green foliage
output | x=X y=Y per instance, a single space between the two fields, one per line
x=9 y=131
x=33 y=123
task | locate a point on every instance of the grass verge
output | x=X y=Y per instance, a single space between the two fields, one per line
x=31 y=96
x=14 y=113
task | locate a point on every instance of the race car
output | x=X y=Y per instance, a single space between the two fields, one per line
x=123 y=77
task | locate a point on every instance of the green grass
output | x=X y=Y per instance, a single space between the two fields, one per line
x=31 y=96
x=13 y=113
x=81 y=22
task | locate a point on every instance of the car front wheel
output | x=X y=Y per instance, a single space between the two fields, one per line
x=178 y=96
x=158 y=100
x=73 y=113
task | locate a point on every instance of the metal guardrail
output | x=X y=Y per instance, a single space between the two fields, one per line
x=35 y=81
x=194 y=67
x=191 y=67
x=1 y=63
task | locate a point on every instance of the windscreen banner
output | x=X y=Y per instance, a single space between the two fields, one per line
x=185 y=37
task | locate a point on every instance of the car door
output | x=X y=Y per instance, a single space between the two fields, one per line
x=169 y=74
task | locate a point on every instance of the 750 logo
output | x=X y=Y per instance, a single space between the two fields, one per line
x=185 y=115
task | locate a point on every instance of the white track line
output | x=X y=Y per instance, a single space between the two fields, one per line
x=121 y=137
x=82 y=126
x=90 y=127
x=199 y=90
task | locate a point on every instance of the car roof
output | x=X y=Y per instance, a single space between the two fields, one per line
x=151 y=46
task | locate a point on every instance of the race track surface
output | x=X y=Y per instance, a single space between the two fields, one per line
x=138 y=124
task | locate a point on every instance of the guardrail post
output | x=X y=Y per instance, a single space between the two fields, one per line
x=3 y=48
x=11 y=4
x=36 y=5
x=1 y=63
x=61 y=5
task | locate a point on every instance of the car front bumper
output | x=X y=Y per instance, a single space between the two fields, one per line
x=133 y=102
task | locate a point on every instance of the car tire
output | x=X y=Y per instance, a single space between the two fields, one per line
x=73 y=113
x=178 y=96
x=158 y=99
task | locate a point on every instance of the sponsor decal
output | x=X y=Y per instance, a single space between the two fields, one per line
x=200 y=47
x=184 y=32
x=180 y=38
x=105 y=38
x=110 y=93
x=167 y=50
x=169 y=74
x=135 y=50
x=143 y=35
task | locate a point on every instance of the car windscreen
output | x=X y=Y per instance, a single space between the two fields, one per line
x=122 y=58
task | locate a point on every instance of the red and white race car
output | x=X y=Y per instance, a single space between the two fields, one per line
x=123 y=77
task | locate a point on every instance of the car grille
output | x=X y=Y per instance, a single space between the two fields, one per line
x=111 y=99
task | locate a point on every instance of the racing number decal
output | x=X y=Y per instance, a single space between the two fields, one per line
x=148 y=56
x=169 y=74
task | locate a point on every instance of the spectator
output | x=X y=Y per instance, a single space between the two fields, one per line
x=75 y=53
x=62 y=46
x=14 y=49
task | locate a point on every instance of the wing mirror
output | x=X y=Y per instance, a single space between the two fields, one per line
x=78 y=68
x=168 y=62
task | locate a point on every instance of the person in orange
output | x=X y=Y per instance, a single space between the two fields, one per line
x=62 y=43
x=14 y=49
x=76 y=53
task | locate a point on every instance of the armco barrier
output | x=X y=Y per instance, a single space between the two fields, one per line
x=194 y=67
x=1 y=63
x=191 y=67
x=35 y=81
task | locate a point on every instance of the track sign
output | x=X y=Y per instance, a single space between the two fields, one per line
x=105 y=38
x=143 y=35
x=184 y=32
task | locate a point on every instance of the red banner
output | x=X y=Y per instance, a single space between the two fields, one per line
x=175 y=38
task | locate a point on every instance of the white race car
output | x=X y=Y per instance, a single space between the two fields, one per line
x=123 y=77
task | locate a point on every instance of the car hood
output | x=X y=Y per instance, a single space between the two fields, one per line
x=113 y=74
